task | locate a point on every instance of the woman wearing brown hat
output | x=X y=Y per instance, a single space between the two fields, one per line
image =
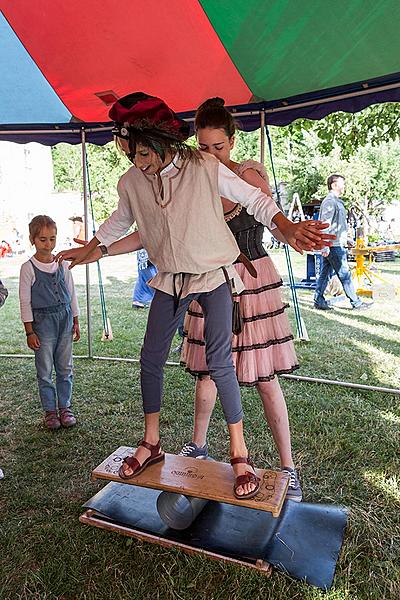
x=173 y=194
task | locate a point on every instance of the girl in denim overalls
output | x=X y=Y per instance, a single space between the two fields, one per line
x=49 y=311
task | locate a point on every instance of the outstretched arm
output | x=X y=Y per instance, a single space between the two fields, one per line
x=129 y=243
x=111 y=230
x=252 y=177
x=87 y=252
x=306 y=235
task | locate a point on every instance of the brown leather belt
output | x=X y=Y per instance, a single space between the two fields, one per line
x=248 y=264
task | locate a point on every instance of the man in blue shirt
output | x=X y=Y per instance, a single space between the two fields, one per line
x=334 y=259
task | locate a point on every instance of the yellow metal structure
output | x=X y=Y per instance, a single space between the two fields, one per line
x=362 y=272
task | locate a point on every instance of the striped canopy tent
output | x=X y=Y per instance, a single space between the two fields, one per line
x=62 y=62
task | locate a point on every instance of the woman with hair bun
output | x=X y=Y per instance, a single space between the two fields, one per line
x=264 y=348
x=169 y=190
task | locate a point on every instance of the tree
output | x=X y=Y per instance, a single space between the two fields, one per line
x=106 y=166
x=372 y=175
x=247 y=146
x=363 y=147
x=373 y=181
x=350 y=132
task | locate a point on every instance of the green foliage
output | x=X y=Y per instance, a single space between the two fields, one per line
x=106 y=165
x=371 y=173
x=247 y=146
x=373 y=178
x=373 y=237
x=350 y=132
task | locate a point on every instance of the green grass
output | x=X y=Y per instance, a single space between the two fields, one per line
x=346 y=444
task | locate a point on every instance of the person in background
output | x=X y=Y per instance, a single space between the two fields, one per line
x=143 y=293
x=78 y=227
x=335 y=257
x=5 y=249
x=49 y=312
x=3 y=297
x=3 y=293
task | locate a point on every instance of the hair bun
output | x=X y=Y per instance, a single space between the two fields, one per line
x=212 y=103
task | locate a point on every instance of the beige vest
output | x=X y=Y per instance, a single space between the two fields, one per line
x=183 y=229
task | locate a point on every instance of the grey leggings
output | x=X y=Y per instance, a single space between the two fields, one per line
x=161 y=327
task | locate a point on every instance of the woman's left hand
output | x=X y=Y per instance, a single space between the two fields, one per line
x=307 y=235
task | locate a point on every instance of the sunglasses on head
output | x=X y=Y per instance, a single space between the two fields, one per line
x=120 y=131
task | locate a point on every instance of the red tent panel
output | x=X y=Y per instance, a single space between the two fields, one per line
x=163 y=47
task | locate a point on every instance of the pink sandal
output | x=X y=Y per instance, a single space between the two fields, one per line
x=248 y=477
x=67 y=417
x=51 y=420
x=156 y=455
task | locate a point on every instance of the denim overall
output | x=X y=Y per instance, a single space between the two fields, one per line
x=52 y=323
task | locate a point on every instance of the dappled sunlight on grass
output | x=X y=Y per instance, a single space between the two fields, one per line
x=347 y=318
x=384 y=365
x=390 y=417
x=389 y=485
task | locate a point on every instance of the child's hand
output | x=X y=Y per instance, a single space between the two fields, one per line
x=33 y=341
x=76 y=332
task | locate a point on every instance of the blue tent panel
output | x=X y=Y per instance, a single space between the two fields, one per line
x=33 y=97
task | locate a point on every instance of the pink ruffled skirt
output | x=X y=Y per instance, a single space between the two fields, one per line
x=264 y=348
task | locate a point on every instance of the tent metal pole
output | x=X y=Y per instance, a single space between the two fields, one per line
x=301 y=328
x=86 y=215
x=262 y=137
x=354 y=386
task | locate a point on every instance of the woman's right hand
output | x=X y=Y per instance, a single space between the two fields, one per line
x=79 y=256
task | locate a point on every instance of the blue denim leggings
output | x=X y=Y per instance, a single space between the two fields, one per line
x=53 y=326
x=161 y=326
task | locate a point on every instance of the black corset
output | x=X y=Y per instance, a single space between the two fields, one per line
x=248 y=234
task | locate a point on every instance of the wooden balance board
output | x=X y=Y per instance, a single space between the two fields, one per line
x=199 y=478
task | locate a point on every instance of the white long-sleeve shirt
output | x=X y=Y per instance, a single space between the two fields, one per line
x=256 y=202
x=230 y=186
x=183 y=228
x=27 y=279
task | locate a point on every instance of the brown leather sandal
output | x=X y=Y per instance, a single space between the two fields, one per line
x=133 y=463
x=248 y=477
